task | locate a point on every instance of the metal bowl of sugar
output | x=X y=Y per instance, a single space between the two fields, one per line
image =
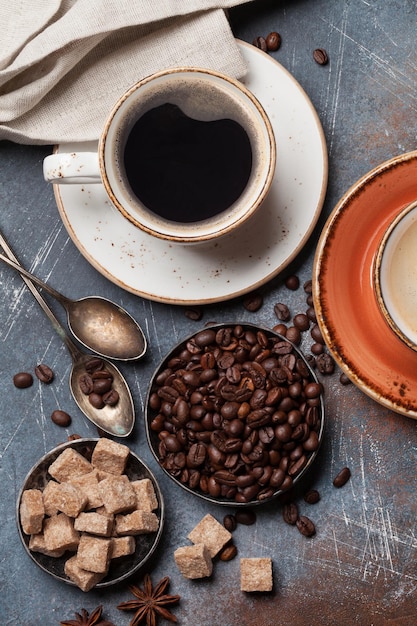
x=235 y=414
x=121 y=567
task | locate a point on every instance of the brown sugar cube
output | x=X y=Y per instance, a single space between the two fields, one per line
x=110 y=456
x=32 y=511
x=59 y=533
x=68 y=499
x=146 y=499
x=194 y=561
x=88 y=484
x=136 y=523
x=82 y=578
x=122 y=546
x=37 y=544
x=210 y=532
x=256 y=574
x=93 y=554
x=94 y=523
x=49 y=497
x=69 y=464
x=117 y=494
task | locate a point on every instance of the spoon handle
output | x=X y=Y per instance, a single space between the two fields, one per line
x=43 y=304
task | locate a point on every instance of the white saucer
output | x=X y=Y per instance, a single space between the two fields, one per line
x=240 y=262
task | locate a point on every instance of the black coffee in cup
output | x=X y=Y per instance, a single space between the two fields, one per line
x=184 y=169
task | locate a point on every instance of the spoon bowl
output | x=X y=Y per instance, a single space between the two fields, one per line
x=98 y=324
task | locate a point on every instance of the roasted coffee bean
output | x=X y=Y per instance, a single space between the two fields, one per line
x=293 y=335
x=320 y=56
x=102 y=385
x=312 y=496
x=61 y=418
x=317 y=348
x=290 y=513
x=96 y=400
x=194 y=313
x=229 y=522
x=325 y=363
x=316 y=334
x=311 y=314
x=247 y=517
x=228 y=552
x=94 y=364
x=281 y=329
x=86 y=384
x=344 y=380
x=342 y=477
x=308 y=286
x=111 y=398
x=73 y=437
x=260 y=42
x=23 y=380
x=44 y=373
x=305 y=526
x=301 y=321
x=253 y=302
x=292 y=282
x=282 y=311
x=273 y=41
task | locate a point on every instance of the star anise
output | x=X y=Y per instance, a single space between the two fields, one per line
x=150 y=602
x=84 y=619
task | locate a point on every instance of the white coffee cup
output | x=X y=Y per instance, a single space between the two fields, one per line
x=396 y=275
x=207 y=98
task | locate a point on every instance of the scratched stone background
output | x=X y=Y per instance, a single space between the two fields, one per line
x=361 y=567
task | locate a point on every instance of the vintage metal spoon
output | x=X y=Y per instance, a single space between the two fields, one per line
x=99 y=324
x=115 y=420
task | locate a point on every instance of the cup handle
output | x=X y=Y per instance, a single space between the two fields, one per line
x=72 y=168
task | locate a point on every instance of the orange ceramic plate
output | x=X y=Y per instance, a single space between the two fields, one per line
x=352 y=325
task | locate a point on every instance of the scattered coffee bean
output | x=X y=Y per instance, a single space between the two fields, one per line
x=22 y=380
x=281 y=329
x=282 y=312
x=312 y=496
x=111 y=398
x=73 y=437
x=61 y=418
x=228 y=552
x=260 y=42
x=194 y=313
x=301 y=321
x=316 y=334
x=325 y=363
x=305 y=526
x=345 y=380
x=317 y=348
x=308 y=286
x=320 y=56
x=342 y=477
x=230 y=523
x=311 y=314
x=293 y=335
x=246 y=517
x=273 y=41
x=44 y=373
x=292 y=282
x=253 y=302
x=290 y=513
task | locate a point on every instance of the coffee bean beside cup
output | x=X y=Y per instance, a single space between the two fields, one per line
x=186 y=155
x=395 y=275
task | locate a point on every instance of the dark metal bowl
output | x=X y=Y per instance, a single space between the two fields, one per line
x=121 y=568
x=150 y=415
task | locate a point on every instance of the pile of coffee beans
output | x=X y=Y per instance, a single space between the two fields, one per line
x=235 y=413
x=97 y=384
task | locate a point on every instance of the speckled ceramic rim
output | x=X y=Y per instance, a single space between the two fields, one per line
x=389 y=313
x=153 y=440
x=243 y=208
x=36 y=477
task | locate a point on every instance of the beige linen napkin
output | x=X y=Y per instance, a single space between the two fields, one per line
x=64 y=63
